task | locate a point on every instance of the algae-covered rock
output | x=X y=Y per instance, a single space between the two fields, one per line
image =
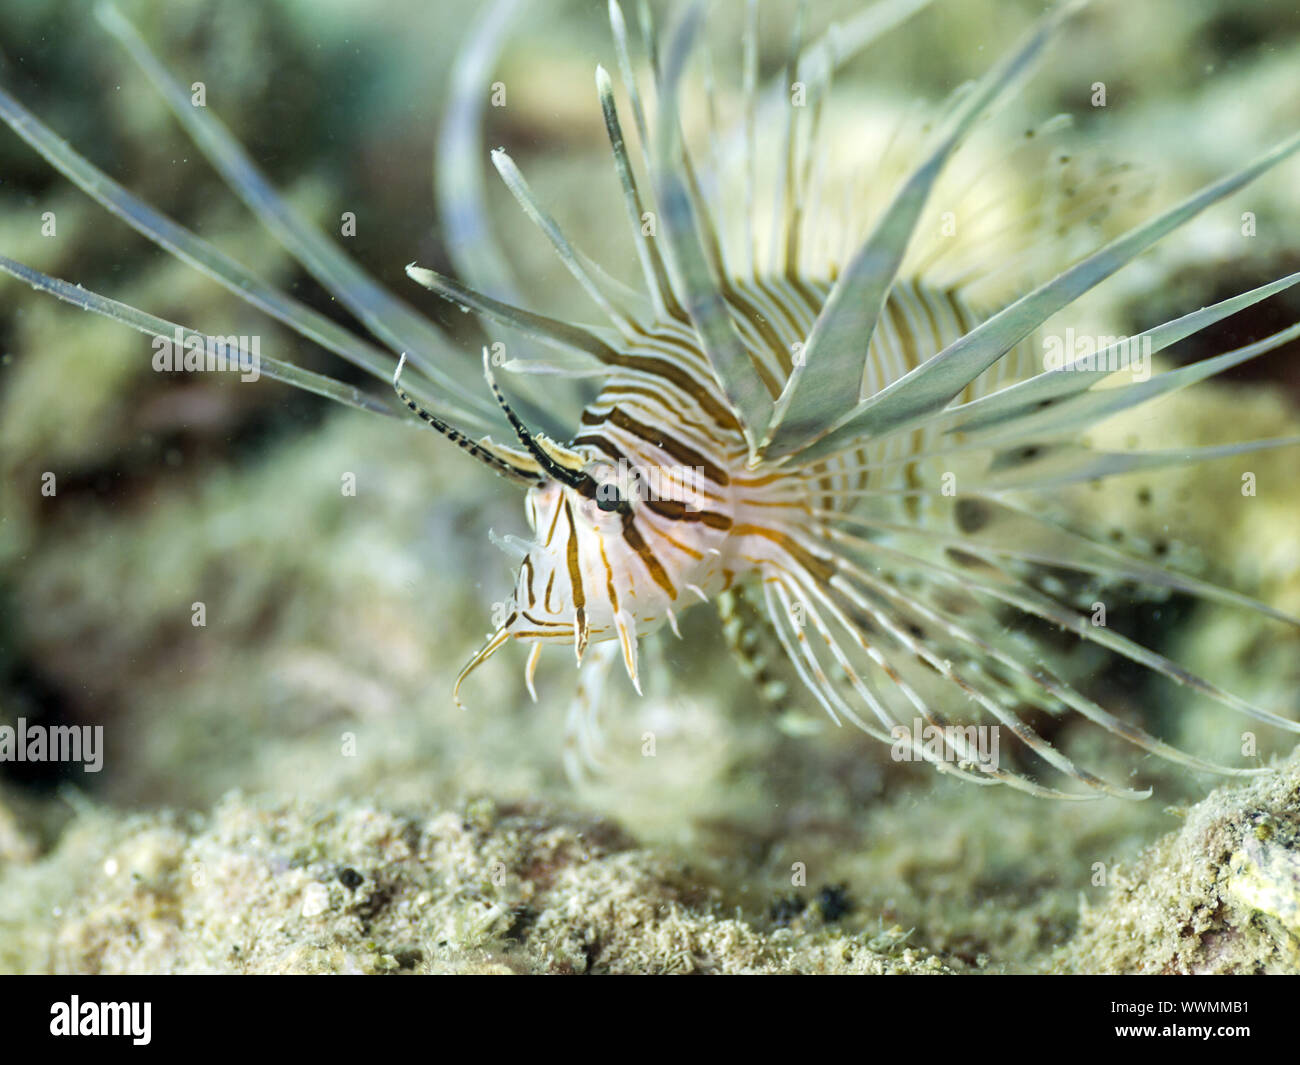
x=348 y=887
x=486 y=886
x=1221 y=895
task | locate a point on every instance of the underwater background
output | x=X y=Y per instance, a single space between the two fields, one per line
x=288 y=786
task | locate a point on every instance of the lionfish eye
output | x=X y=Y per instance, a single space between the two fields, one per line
x=607 y=497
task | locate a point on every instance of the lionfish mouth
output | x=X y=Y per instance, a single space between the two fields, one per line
x=879 y=446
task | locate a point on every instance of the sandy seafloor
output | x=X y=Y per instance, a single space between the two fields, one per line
x=289 y=788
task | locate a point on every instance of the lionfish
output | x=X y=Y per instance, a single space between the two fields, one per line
x=798 y=415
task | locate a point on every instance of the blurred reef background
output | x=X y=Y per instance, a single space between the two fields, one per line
x=290 y=788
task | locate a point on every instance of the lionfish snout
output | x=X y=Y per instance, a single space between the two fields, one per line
x=588 y=575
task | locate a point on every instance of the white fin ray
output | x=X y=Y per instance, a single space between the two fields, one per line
x=565 y=336
x=802 y=656
x=1078 y=412
x=152 y=325
x=1039 y=676
x=912 y=647
x=697 y=286
x=1021 y=400
x=385 y=316
x=817 y=62
x=468 y=238
x=576 y=263
x=815 y=395
x=1059 y=464
x=190 y=248
x=1007 y=589
x=462 y=204
x=1051 y=544
x=530 y=669
x=652 y=266
x=923 y=392
x=626 y=626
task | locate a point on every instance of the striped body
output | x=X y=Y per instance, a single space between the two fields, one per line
x=700 y=519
